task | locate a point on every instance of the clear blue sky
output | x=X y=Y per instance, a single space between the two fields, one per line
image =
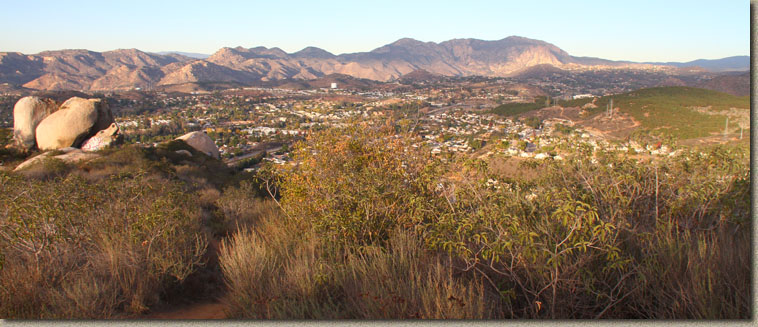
x=644 y=30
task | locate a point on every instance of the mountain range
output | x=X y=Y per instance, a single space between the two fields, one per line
x=131 y=68
x=735 y=63
x=187 y=54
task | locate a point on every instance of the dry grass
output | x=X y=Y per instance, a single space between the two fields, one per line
x=100 y=245
x=240 y=208
x=275 y=272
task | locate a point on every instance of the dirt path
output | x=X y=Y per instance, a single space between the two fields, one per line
x=213 y=310
x=717 y=139
x=205 y=306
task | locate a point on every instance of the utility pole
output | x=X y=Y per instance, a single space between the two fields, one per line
x=726 y=126
x=608 y=110
x=611 y=108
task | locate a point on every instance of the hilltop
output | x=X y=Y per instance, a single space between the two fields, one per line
x=683 y=113
x=733 y=83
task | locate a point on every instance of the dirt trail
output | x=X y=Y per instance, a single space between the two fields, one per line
x=212 y=310
x=205 y=306
x=717 y=139
x=620 y=126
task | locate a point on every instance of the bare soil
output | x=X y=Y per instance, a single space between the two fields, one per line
x=210 y=310
x=718 y=139
x=199 y=296
x=620 y=126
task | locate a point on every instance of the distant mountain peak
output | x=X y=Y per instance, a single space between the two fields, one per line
x=419 y=75
x=734 y=63
x=313 y=52
x=406 y=41
x=407 y=58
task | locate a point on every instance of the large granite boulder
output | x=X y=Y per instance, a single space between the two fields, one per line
x=103 y=139
x=69 y=155
x=75 y=121
x=201 y=142
x=27 y=114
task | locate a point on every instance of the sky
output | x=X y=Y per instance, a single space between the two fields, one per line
x=669 y=30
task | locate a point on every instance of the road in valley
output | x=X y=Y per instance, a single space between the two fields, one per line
x=272 y=147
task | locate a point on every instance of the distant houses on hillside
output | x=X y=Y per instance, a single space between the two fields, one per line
x=582 y=96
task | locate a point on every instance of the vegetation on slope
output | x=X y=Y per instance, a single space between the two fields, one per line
x=517 y=108
x=108 y=238
x=376 y=229
x=369 y=226
x=673 y=112
x=669 y=110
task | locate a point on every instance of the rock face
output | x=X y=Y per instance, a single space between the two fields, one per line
x=103 y=139
x=201 y=142
x=27 y=114
x=184 y=152
x=75 y=121
x=70 y=154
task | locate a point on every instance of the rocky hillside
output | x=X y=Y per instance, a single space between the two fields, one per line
x=733 y=83
x=127 y=69
x=87 y=70
x=736 y=63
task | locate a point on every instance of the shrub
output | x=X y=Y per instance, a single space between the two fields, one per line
x=346 y=244
x=568 y=245
x=541 y=249
x=356 y=185
x=597 y=235
x=78 y=248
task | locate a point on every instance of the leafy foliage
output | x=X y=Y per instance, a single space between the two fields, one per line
x=586 y=238
x=366 y=182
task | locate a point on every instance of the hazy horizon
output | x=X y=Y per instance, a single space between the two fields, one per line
x=642 y=31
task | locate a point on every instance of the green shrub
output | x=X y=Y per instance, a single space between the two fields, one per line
x=568 y=245
x=355 y=189
x=580 y=238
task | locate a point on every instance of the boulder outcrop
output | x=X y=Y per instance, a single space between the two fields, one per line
x=184 y=153
x=201 y=142
x=75 y=121
x=27 y=114
x=103 y=139
x=69 y=154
